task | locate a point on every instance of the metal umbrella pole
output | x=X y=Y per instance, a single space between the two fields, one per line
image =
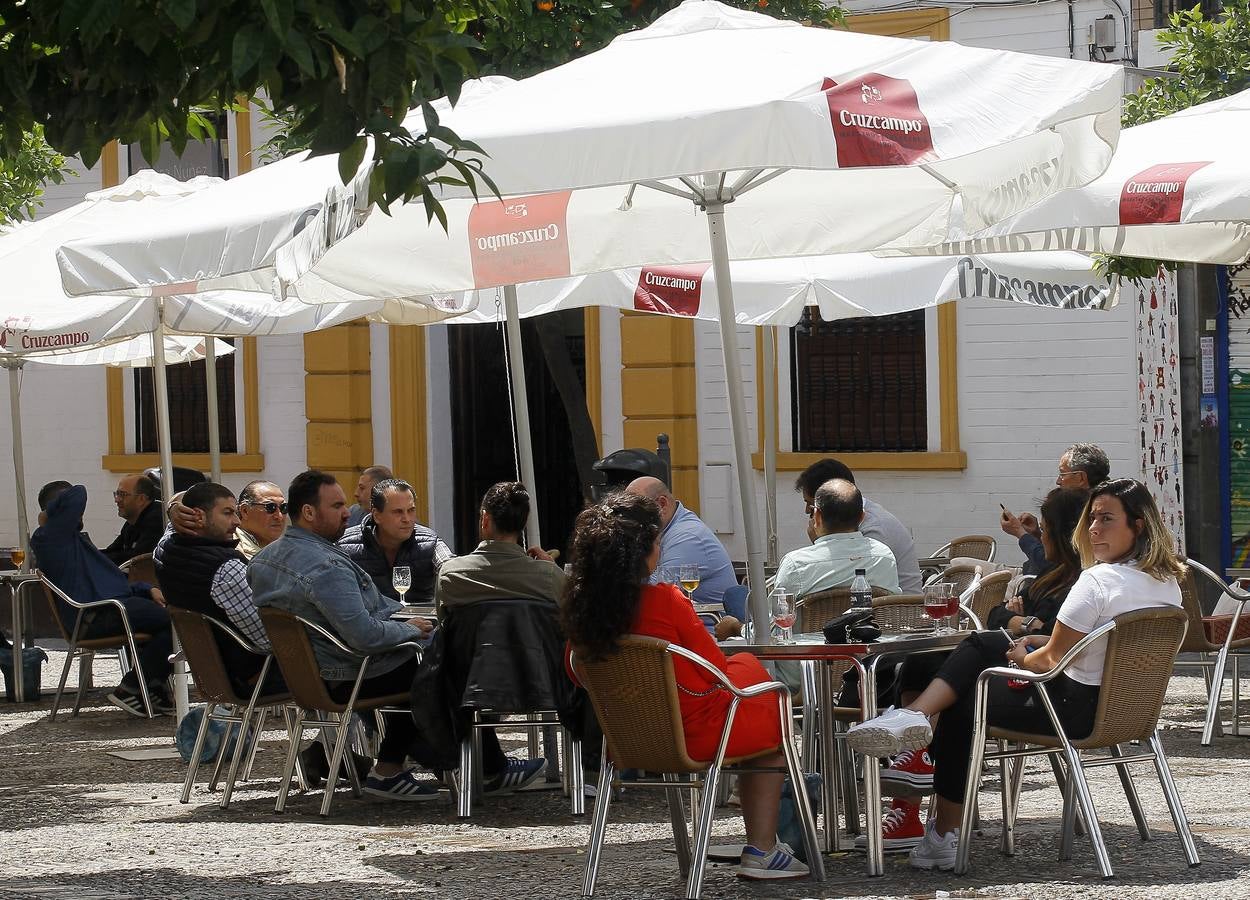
x=758 y=600
x=521 y=411
x=214 y=424
x=768 y=380
x=181 y=694
x=19 y=465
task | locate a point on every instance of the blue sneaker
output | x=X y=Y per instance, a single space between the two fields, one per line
x=777 y=863
x=403 y=786
x=516 y=775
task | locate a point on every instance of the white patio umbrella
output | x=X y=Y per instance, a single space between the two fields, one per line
x=1175 y=189
x=821 y=140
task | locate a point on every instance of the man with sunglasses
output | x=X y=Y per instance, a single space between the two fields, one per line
x=262 y=517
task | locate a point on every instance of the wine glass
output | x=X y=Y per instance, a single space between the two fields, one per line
x=935 y=604
x=18 y=555
x=401 y=578
x=689 y=575
x=782 y=608
x=952 y=605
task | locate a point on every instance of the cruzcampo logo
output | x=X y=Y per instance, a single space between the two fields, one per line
x=877 y=121
x=519 y=239
x=1154 y=196
x=674 y=290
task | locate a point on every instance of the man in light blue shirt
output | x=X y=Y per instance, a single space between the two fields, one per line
x=685 y=540
x=839 y=549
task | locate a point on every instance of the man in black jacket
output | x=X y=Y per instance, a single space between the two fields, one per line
x=390 y=536
x=206 y=573
x=137 y=502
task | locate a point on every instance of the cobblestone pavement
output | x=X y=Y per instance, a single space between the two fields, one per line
x=78 y=823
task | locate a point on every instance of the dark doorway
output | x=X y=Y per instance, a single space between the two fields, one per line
x=482 y=422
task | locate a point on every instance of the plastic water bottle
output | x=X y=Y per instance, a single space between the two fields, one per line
x=861 y=591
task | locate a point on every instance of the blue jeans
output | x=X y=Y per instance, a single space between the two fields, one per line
x=146 y=617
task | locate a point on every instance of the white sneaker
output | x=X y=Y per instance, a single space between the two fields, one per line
x=935 y=851
x=756 y=865
x=890 y=733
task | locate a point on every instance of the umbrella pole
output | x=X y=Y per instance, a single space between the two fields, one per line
x=19 y=466
x=769 y=378
x=214 y=424
x=521 y=411
x=738 y=418
x=163 y=438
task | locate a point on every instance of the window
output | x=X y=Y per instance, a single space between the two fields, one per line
x=188 y=407
x=859 y=384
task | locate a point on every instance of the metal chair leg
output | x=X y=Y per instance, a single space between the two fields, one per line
x=1077 y=774
x=1236 y=727
x=255 y=743
x=336 y=760
x=803 y=806
x=60 y=688
x=677 y=815
x=1173 y=800
x=599 y=827
x=295 y=732
x=577 y=778
x=1069 y=819
x=464 y=781
x=1130 y=794
x=140 y=675
x=194 y=765
x=86 y=660
x=702 y=834
x=241 y=745
x=1061 y=780
x=850 y=790
x=1213 y=697
x=221 y=755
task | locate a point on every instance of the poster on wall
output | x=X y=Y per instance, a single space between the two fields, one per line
x=1159 y=398
x=1238 y=415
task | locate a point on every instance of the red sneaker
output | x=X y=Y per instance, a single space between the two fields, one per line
x=910 y=774
x=901 y=828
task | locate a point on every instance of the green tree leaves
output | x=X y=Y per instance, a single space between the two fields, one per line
x=24 y=174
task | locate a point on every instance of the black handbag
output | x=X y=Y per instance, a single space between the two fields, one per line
x=855 y=626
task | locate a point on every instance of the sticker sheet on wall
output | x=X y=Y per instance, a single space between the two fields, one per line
x=1159 y=398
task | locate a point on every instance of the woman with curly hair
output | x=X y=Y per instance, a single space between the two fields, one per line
x=616 y=547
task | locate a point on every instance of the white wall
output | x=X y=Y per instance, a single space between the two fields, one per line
x=1031 y=382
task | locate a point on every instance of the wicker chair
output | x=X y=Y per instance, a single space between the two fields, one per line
x=635 y=696
x=991 y=592
x=1141 y=648
x=292 y=648
x=84 y=649
x=814 y=610
x=1221 y=635
x=973 y=546
x=198 y=634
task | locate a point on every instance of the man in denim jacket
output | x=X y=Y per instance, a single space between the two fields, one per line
x=304 y=573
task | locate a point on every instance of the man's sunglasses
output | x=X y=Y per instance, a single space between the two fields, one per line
x=269 y=506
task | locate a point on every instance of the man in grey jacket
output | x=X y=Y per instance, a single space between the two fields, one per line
x=305 y=573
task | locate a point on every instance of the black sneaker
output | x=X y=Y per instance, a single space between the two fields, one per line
x=516 y=775
x=162 y=705
x=128 y=701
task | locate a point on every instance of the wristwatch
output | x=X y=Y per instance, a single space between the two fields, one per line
x=1027 y=623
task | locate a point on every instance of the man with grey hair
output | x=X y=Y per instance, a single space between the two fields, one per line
x=1082 y=466
x=364 y=492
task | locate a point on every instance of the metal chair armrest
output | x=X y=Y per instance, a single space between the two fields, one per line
x=976 y=621
x=333 y=639
x=754 y=690
x=1232 y=590
x=234 y=635
x=1040 y=677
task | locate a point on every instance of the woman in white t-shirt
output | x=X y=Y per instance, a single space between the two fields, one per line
x=1129 y=564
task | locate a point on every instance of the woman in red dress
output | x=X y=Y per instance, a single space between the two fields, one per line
x=616 y=547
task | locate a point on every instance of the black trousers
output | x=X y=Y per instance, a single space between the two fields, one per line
x=400 y=730
x=1019 y=710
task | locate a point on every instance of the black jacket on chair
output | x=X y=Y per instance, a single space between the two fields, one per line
x=501 y=656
